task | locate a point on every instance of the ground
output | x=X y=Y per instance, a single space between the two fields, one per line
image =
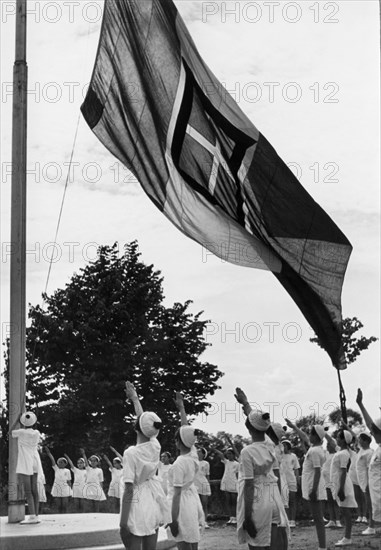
x=224 y=537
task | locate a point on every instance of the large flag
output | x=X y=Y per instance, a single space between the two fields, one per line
x=158 y=108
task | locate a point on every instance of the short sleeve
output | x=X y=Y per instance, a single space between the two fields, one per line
x=16 y=433
x=67 y=474
x=343 y=459
x=100 y=475
x=207 y=468
x=247 y=465
x=178 y=474
x=128 y=467
x=295 y=464
x=55 y=468
x=316 y=457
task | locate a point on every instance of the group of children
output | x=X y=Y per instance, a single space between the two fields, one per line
x=260 y=488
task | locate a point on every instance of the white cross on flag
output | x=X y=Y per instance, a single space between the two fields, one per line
x=205 y=165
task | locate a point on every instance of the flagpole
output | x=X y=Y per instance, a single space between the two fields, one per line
x=16 y=501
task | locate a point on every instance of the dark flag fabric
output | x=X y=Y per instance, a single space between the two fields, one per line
x=154 y=103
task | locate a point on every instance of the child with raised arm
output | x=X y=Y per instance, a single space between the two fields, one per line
x=61 y=490
x=79 y=473
x=186 y=510
x=28 y=465
x=261 y=517
x=114 y=492
x=93 y=489
x=374 y=470
x=143 y=501
x=229 y=481
x=291 y=472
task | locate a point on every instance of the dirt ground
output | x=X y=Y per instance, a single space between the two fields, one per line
x=224 y=537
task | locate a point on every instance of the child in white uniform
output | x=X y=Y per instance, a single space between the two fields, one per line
x=163 y=469
x=362 y=466
x=61 y=489
x=93 y=489
x=375 y=463
x=143 y=500
x=79 y=483
x=114 y=492
x=342 y=486
x=229 y=481
x=186 y=510
x=29 y=463
x=202 y=481
x=291 y=467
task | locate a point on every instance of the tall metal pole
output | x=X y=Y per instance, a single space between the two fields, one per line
x=16 y=502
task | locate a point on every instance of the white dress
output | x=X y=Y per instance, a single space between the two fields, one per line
x=28 y=458
x=340 y=460
x=115 y=484
x=201 y=481
x=256 y=462
x=229 y=481
x=148 y=507
x=375 y=483
x=290 y=463
x=326 y=471
x=93 y=489
x=79 y=482
x=363 y=460
x=61 y=488
x=191 y=516
x=162 y=471
x=315 y=458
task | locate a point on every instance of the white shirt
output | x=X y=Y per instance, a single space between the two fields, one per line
x=28 y=459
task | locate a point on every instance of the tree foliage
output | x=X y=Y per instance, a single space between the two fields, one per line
x=107 y=325
x=354 y=418
x=352 y=346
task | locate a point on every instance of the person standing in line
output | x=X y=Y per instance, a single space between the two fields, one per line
x=28 y=465
x=61 y=490
x=342 y=486
x=79 y=473
x=163 y=469
x=313 y=489
x=229 y=481
x=291 y=471
x=333 y=512
x=374 y=470
x=202 y=481
x=187 y=516
x=93 y=489
x=143 y=503
x=114 y=492
x=363 y=460
x=261 y=516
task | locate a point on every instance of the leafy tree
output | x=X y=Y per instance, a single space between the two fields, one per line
x=352 y=346
x=354 y=418
x=108 y=325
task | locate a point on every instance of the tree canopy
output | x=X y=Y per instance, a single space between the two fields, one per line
x=108 y=325
x=352 y=346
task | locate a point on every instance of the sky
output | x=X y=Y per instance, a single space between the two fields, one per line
x=307 y=74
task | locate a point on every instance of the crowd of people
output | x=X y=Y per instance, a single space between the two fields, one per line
x=148 y=488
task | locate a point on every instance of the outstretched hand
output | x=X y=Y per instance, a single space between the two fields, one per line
x=130 y=391
x=359 y=397
x=179 y=400
x=240 y=396
x=289 y=423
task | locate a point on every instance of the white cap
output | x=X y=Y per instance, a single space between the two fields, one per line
x=259 y=420
x=149 y=424
x=28 y=419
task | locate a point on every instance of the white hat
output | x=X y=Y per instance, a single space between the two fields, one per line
x=62 y=459
x=187 y=436
x=278 y=430
x=320 y=431
x=259 y=420
x=149 y=424
x=28 y=419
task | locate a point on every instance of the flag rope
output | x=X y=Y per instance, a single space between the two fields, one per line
x=343 y=398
